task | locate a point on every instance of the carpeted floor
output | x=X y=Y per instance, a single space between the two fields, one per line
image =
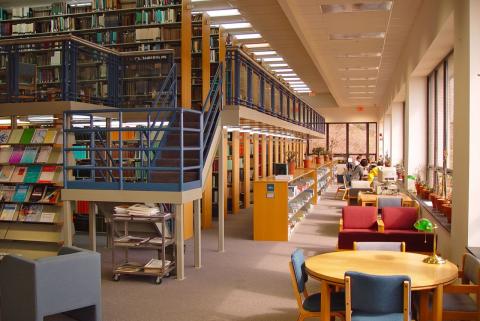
x=249 y=282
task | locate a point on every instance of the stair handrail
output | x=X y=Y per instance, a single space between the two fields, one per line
x=211 y=109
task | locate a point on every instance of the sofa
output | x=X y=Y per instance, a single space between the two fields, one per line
x=361 y=224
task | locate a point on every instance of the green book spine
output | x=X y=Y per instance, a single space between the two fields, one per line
x=27 y=135
x=33 y=173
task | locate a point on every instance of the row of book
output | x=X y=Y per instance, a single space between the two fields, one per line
x=31 y=174
x=29 y=136
x=26 y=213
x=23 y=193
x=20 y=154
x=154 y=3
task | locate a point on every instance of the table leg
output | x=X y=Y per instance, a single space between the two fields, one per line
x=437 y=303
x=423 y=306
x=325 y=302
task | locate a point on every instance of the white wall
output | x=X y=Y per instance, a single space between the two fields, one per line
x=349 y=114
x=397 y=133
x=387 y=135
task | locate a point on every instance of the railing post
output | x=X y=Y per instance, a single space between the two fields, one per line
x=120 y=148
x=92 y=147
x=66 y=125
x=181 y=150
x=201 y=149
x=237 y=78
x=249 y=86
x=13 y=71
x=262 y=92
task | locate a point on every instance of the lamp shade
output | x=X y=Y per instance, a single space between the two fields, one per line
x=423 y=225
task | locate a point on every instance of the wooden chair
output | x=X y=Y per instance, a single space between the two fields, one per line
x=377 y=297
x=458 y=303
x=343 y=187
x=309 y=305
x=379 y=246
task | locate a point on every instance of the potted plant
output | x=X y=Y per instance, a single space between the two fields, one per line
x=318 y=152
x=329 y=151
x=290 y=157
x=306 y=161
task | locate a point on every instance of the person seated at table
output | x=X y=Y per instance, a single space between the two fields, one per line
x=373 y=173
x=357 y=173
x=357 y=160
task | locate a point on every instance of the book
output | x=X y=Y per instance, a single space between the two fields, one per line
x=155 y=266
x=9 y=212
x=33 y=173
x=5 y=153
x=4 y=135
x=47 y=217
x=6 y=173
x=39 y=136
x=56 y=157
x=22 y=193
x=30 y=212
x=15 y=136
x=16 y=156
x=44 y=154
x=50 y=195
x=29 y=155
x=8 y=191
x=27 y=135
x=50 y=136
x=19 y=174
x=37 y=194
x=47 y=174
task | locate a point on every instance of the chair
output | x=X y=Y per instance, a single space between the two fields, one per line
x=309 y=306
x=353 y=194
x=457 y=303
x=379 y=246
x=342 y=179
x=33 y=289
x=358 y=224
x=377 y=297
x=389 y=202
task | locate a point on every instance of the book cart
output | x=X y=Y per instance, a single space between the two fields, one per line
x=144 y=233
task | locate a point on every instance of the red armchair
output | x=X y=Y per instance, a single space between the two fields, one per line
x=397 y=226
x=358 y=224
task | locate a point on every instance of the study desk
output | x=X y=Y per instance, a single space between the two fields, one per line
x=366 y=199
x=330 y=268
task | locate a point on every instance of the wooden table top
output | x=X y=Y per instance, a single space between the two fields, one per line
x=366 y=197
x=332 y=266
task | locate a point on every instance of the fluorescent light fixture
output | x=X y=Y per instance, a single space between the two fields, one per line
x=282 y=70
x=361 y=55
x=286 y=75
x=357 y=36
x=238 y=25
x=296 y=82
x=223 y=13
x=265 y=53
x=356 y=7
x=258 y=45
x=303 y=91
x=358 y=68
x=291 y=78
x=273 y=59
x=298 y=85
x=245 y=36
x=279 y=65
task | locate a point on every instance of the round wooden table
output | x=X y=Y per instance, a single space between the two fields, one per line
x=331 y=267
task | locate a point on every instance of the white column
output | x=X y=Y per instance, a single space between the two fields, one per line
x=180 y=241
x=387 y=135
x=221 y=194
x=197 y=230
x=68 y=223
x=466 y=128
x=92 y=225
x=397 y=133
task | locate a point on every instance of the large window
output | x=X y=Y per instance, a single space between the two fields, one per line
x=440 y=127
x=352 y=139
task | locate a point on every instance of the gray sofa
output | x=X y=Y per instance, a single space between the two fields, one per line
x=33 y=289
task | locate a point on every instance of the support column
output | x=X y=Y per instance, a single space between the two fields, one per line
x=264 y=155
x=197 y=227
x=92 y=226
x=68 y=224
x=222 y=167
x=282 y=150
x=235 y=172
x=276 y=146
x=207 y=201
x=256 y=160
x=466 y=208
x=180 y=255
x=397 y=133
x=387 y=135
x=223 y=181
x=246 y=170
x=270 y=155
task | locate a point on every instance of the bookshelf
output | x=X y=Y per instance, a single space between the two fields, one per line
x=31 y=177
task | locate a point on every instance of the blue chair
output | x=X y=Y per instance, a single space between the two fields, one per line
x=377 y=297
x=309 y=305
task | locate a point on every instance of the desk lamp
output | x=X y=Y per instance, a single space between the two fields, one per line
x=425 y=225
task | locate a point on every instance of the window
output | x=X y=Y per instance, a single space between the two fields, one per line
x=440 y=127
x=353 y=139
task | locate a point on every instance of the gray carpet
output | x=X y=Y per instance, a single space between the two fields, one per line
x=249 y=282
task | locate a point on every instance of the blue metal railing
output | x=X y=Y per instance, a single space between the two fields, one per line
x=249 y=84
x=212 y=107
x=127 y=163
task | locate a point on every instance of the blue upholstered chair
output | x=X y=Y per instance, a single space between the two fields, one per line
x=377 y=297
x=458 y=304
x=379 y=246
x=309 y=305
x=33 y=289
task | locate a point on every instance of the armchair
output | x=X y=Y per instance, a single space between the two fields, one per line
x=358 y=224
x=33 y=289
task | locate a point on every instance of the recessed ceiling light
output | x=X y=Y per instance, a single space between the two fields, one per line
x=273 y=59
x=264 y=53
x=357 y=68
x=299 y=85
x=245 y=36
x=361 y=55
x=356 y=7
x=287 y=75
x=258 y=45
x=357 y=36
x=291 y=78
x=278 y=65
x=282 y=70
x=238 y=25
x=223 y=13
